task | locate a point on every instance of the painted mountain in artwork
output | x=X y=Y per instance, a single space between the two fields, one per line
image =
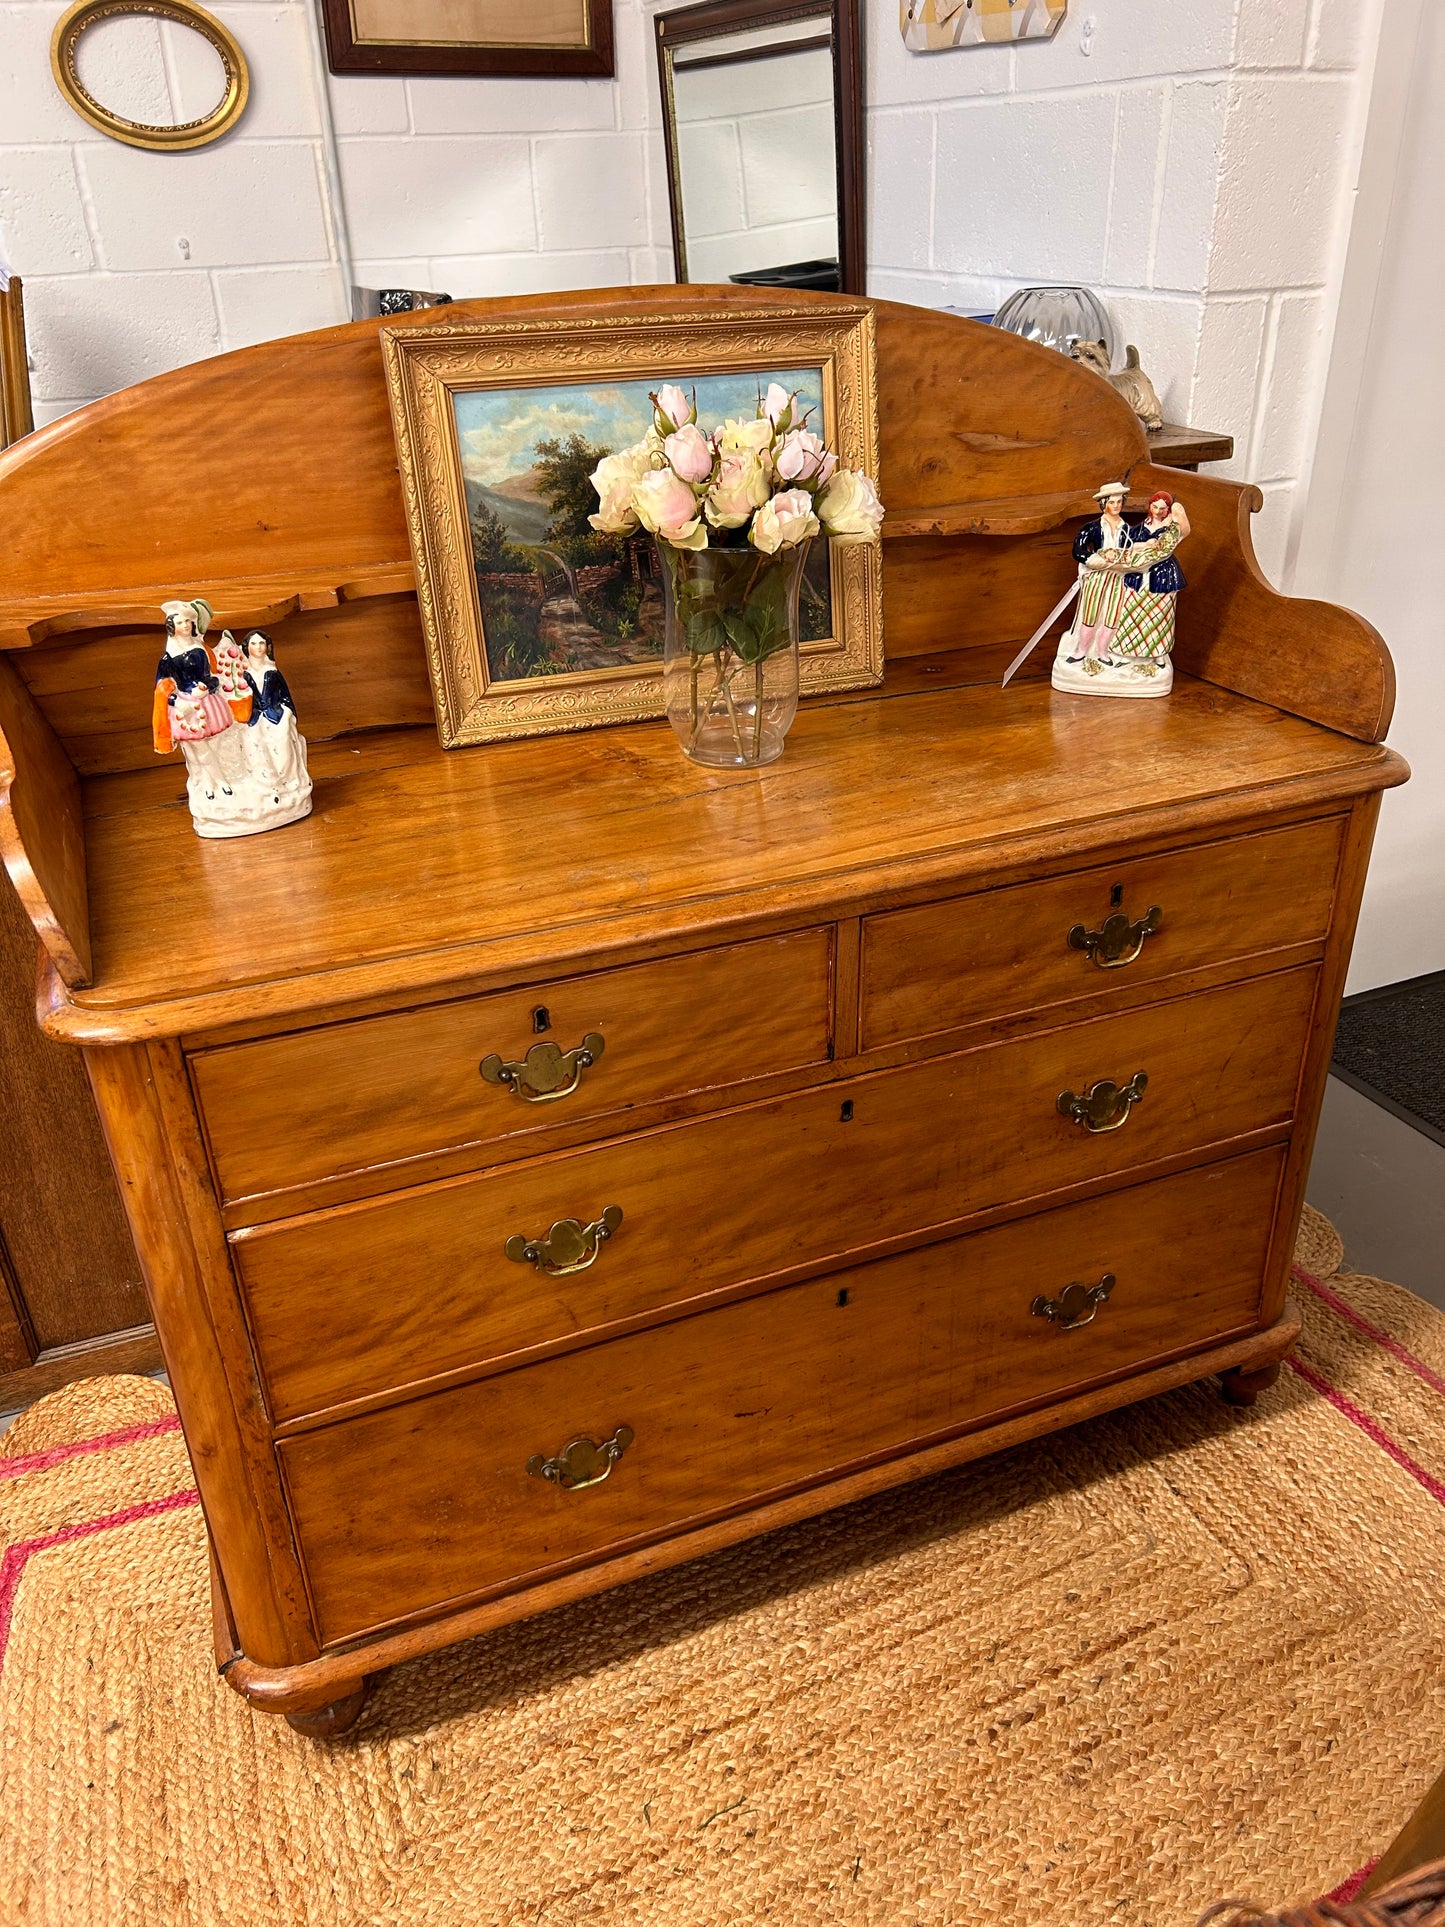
x=523 y=515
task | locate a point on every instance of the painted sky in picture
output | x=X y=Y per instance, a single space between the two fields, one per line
x=499 y=428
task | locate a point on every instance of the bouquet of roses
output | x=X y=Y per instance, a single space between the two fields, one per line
x=769 y=482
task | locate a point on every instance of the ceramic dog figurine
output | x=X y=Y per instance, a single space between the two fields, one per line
x=1131 y=381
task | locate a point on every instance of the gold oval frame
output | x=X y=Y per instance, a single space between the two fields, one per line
x=136 y=133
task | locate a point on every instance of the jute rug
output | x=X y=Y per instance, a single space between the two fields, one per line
x=1177 y=1653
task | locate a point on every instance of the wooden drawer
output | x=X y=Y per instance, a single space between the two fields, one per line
x=291 y=1110
x=373 y=1297
x=1005 y=952
x=404 y=1510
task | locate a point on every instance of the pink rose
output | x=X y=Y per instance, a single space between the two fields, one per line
x=803 y=458
x=674 y=410
x=779 y=406
x=690 y=453
x=784 y=522
x=667 y=507
x=742 y=485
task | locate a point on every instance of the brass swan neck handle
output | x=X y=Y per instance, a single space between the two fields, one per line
x=1105 y=1106
x=1075 y=1305
x=547 y=1072
x=1117 y=941
x=569 y=1246
x=582 y=1462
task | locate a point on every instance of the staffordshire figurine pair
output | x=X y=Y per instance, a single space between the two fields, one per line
x=229 y=712
x=1122 y=636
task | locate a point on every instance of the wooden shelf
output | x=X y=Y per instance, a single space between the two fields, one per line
x=240 y=602
x=1004 y=515
x=1171 y=446
x=1177 y=447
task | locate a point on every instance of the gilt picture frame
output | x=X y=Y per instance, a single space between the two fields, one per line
x=535 y=624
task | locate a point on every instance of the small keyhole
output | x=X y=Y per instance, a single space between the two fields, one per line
x=1116 y=896
x=846 y=1114
x=843 y=1296
x=541 y=1018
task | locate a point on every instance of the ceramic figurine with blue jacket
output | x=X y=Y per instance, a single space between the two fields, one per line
x=233 y=720
x=1122 y=637
x=277 y=747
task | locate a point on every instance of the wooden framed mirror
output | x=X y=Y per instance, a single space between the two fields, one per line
x=762 y=109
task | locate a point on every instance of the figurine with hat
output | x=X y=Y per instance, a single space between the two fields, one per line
x=1099 y=551
x=236 y=781
x=1122 y=637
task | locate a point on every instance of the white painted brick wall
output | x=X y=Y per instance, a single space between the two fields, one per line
x=137 y=262
x=1195 y=167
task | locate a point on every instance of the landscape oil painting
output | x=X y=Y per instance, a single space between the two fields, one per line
x=556 y=598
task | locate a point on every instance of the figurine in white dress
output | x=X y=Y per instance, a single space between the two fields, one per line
x=208 y=704
x=276 y=749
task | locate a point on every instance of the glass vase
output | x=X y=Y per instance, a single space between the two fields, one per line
x=730 y=651
x=1058 y=317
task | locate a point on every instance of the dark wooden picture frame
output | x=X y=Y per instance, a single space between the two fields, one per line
x=346 y=55
x=712 y=17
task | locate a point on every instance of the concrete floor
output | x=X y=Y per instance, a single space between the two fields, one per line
x=1380 y=1182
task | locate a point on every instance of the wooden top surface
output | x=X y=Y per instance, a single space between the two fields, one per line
x=1182 y=447
x=419 y=868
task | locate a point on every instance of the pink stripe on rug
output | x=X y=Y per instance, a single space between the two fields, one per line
x=105 y=1441
x=18 y=1556
x=1357 y=1416
x=1361 y=1324
x=1347 y=1889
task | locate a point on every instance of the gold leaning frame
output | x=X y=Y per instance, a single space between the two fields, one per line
x=426 y=365
x=235 y=91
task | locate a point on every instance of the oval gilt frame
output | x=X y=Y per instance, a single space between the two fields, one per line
x=158 y=139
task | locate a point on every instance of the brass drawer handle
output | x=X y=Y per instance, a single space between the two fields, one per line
x=547 y=1072
x=569 y=1246
x=581 y=1463
x=1075 y=1305
x=1105 y=1106
x=1117 y=941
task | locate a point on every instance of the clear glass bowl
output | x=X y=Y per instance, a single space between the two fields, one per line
x=1058 y=317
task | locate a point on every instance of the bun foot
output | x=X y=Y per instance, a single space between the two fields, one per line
x=329 y=1722
x=1243 y=1388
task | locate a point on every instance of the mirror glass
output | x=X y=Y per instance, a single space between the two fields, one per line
x=752 y=126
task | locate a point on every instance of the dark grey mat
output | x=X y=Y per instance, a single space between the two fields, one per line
x=1391 y=1045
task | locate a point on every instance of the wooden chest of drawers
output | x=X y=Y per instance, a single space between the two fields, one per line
x=687 y=1153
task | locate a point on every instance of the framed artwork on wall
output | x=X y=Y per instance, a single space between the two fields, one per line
x=534 y=621
x=468 y=36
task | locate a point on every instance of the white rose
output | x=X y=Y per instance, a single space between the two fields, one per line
x=614 y=478
x=784 y=522
x=742 y=485
x=746 y=438
x=667 y=507
x=849 y=507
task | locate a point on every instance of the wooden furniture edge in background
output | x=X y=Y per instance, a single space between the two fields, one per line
x=17 y=414
x=1174 y=446
x=137 y=1350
